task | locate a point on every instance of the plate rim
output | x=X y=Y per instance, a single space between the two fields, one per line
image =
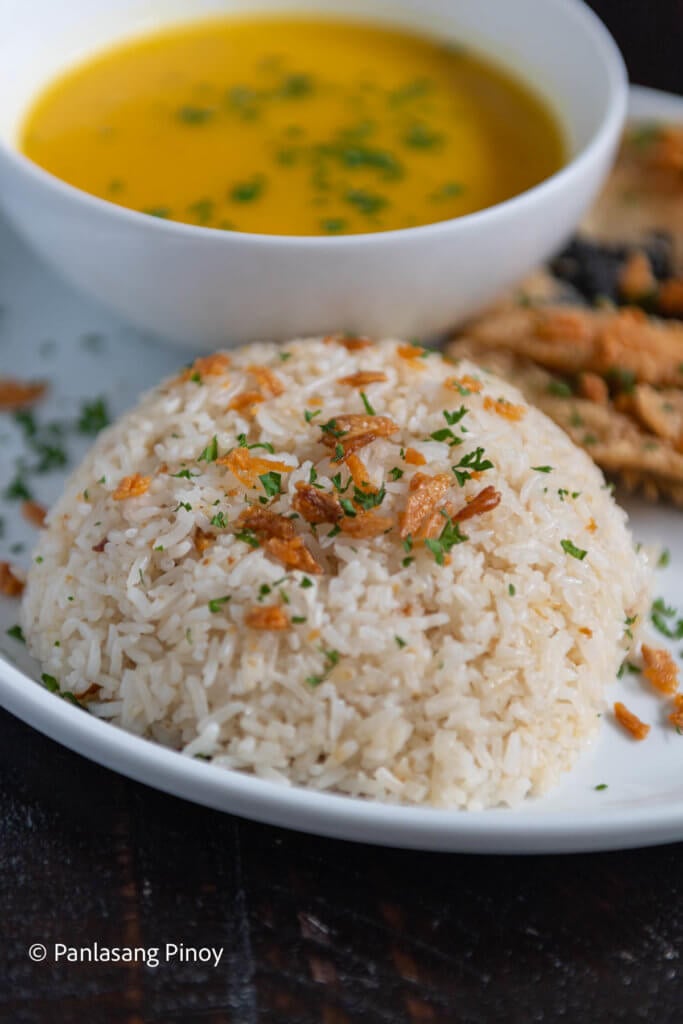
x=496 y=830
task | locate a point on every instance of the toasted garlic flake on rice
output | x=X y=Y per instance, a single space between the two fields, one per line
x=132 y=487
x=271 y=618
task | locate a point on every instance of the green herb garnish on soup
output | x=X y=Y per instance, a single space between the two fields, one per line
x=295 y=126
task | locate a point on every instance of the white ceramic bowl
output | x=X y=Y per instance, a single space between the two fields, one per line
x=207 y=288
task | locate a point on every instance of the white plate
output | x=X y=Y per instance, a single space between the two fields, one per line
x=45 y=329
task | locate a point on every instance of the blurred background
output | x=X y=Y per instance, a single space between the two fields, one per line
x=650 y=35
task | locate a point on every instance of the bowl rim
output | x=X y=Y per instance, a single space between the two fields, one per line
x=603 y=136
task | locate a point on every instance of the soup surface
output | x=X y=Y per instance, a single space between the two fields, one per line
x=293 y=126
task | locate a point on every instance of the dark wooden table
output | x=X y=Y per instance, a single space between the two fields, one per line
x=314 y=931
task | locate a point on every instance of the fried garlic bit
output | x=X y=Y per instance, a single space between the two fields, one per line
x=316 y=506
x=362 y=378
x=279 y=539
x=427 y=495
x=676 y=716
x=202 y=541
x=247 y=467
x=464 y=384
x=265 y=524
x=503 y=408
x=269 y=386
x=246 y=400
x=484 y=501
x=132 y=487
x=33 y=513
x=414 y=458
x=350 y=343
x=365 y=525
x=10 y=584
x=359 y=473
x=266 y=379
x=17 y=394
x=353 y=431
x=271 y=618
x=660 y=670
x=630 y=722
x=214 y=365
x=293 y=554
x=411 y=353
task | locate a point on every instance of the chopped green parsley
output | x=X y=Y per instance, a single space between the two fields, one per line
x=624 y=380
x=331 y=428
x=210 y=453
x=421 y=136
x=472 y=461
x=249 y=537
x=93 y=417
x=52 y=684
x=272 y=483
x=665 y=619
x=336 y=480
x=202 y=210
x=560 y=388
x=452 y=418
x=248 y=191
x=365 y=202
x=368 y=499
x=366 y=402
x=266 y=445
x=195 y=115
x=448 y=538
x=17 y=490
x=333 y=225
x=570 y=548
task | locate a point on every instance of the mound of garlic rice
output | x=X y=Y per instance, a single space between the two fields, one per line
x=342 y=565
